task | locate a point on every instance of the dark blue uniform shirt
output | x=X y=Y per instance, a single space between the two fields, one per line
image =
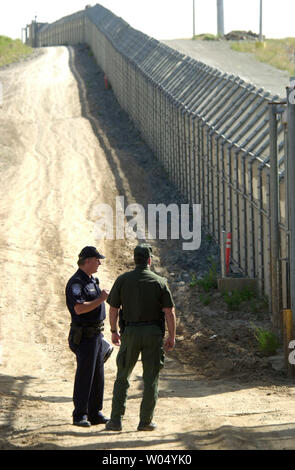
x=79 y=289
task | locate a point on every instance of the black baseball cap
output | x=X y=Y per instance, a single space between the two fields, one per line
x=143 y=251
x=90 y=252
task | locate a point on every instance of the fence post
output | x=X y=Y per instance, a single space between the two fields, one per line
x=274 y=217
x=291 y=191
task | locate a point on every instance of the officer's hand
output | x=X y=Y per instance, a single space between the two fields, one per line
x=169 y=344
x=104 y=294
x=116 y=339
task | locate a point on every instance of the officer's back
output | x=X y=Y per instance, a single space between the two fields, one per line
x=146 y=302
x=141 y=293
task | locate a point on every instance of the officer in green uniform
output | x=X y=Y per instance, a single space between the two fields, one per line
x=146 y=303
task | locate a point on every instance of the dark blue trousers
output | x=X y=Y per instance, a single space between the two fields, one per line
x=89 y=378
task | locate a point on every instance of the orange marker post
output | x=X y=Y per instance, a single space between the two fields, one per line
x=227 y=252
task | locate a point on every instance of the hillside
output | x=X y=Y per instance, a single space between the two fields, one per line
x=12 y=50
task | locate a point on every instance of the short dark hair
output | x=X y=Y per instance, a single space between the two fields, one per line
x=139 y=261
x=142 y=253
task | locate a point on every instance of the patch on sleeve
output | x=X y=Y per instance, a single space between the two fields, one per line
x=76 y=289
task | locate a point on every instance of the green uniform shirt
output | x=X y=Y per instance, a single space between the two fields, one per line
x=142 y=294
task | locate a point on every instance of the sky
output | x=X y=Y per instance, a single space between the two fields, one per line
x=161 y=19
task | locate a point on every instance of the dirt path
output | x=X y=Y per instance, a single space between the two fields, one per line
x=219 y=55
x=65 y=147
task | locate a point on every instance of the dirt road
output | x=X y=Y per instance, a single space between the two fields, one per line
x=65 y=147
x=219 y=55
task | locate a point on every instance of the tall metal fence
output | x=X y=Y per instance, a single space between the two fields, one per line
x=210 y=130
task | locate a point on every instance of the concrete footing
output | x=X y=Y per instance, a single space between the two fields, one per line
x=229 y=284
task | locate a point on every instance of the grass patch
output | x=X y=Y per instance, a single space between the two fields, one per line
x=12 y=50
x=209 y=281
x=194 y=281
x=268 y=342
x=205 y=299
x=280 y=53
x=235 y=298
x=205 y=37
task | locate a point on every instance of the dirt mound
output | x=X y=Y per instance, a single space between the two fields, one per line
x=218 y=341
x=241 y=36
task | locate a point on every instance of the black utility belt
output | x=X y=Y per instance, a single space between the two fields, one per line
x=88 y=330
x=87 y=325
x=142 y=323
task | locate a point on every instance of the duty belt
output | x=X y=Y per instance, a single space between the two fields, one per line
x=142 y=323
x=87 y=329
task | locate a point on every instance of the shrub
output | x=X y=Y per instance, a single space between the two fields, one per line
x=267 y=341
x=209 y=281
x=233 y=299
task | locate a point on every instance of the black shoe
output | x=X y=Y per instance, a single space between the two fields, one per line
x=146 y=426
x=82 y=422
x=99 y=419
x=114 y=426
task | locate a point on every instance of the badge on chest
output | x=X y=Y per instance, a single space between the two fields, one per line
x=91 y=290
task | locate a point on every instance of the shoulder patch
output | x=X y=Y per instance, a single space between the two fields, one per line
x=76 y=289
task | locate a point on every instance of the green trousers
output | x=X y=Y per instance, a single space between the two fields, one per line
x=148 y=341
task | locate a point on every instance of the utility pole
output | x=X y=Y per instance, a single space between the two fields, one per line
x=35 y=31
x=220 y=18
x=260 y=22
x=194 y=19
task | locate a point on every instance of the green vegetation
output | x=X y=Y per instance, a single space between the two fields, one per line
x=209 y=281
x=267 y=341
x=194 y=281
x=234 y=298
x=206 y=37
x=12 y=50
x=205 y=299
x=279 y=53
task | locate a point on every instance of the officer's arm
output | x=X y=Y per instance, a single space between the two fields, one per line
x=171 y=325
x=86 y=307
x=114 y=314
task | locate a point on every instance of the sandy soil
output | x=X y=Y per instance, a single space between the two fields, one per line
x=65 y=147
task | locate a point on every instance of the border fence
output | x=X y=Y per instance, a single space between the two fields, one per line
x=215 y=135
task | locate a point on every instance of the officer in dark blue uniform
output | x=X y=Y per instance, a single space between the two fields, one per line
x=85 y=301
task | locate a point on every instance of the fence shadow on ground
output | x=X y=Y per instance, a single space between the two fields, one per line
x=227 y=437
x=275 y=436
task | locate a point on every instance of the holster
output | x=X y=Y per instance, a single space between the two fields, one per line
x=89 y=331
x=121 y=322
x=77 y=334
